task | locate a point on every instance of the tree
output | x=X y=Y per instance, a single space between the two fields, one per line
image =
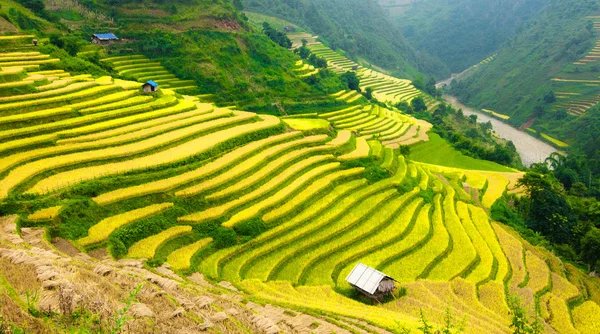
x=590 y=248
x=520 y=323
x=37 y=6
x=369 y=93
x=418 y=104
x=473 y=119
x=237 y=4
x=549 y=212
x=351 y=80
x=549 y=97
x=404 y=150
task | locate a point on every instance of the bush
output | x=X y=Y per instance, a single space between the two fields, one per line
x=224 y=237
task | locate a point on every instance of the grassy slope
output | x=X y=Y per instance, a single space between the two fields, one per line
x=438 y=151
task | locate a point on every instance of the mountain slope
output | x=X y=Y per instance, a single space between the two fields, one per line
x=461 y=33
x=515 y=82
x=361 y=28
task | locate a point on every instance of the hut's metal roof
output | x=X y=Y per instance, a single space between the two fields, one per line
x=106 y=37
x=365 y=278
x=151 y=83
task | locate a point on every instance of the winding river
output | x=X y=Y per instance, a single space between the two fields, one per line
x=531 y=149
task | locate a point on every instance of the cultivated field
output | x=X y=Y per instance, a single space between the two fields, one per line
x=385 y=87
x=283 y=210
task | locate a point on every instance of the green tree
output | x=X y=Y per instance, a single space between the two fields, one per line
x=237 y=4
x=590 y=248
x=369 y=93
x=352 y=80
x=418 y=104
x=520 y=322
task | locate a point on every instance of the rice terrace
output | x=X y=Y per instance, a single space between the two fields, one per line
x=221 y=166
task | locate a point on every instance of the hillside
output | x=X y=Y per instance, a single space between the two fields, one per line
x=236 y=192
x=348 y=25
x=460 y=33
x=516 y=82
x=112 y=172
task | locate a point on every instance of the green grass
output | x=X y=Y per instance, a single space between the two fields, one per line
x=438 y=151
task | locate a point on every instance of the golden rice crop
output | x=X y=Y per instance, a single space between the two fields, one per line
x=308 y=193
x=220 y=163
x=107 y=226
x=274 y=182
x=23 y=156
x=491 y=295
x=252 y=164
x=484 y=268
x=587 y=317
x=338 y=194
x=361 y=151
x=411 y=266
x=136 y=127
x=496 y=187
x=423 y=179
x=181 y=258
x=342 y=138
x=120 y=117
x=34 y=115
x=16 y=84
x=481 y=221
x=11 y=145
x=324 y=299
x=45 y=214
x=146 y=248
x=463 y=252
x=562 y=288
x=539 y=274
x=318 y=267
x=514 y=252
x=55 y=99
x=279 y=196
x=177 y=153
x=33 y=96
x=558 y=313
x=118 y=104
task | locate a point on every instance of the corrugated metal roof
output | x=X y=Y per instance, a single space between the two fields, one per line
x=365 y=278
x=107 y=36
x=152 y=83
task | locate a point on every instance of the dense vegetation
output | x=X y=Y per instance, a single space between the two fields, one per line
x=517 y=80
x=348 y=25
x=462 y=33
x=561 y=205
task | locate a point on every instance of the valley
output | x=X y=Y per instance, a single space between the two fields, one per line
x=531 y=149
x=230 y=166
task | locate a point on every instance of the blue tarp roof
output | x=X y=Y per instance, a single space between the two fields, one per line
x=106 y=36
x=152 y=83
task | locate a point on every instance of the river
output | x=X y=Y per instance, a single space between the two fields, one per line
x=530 y=149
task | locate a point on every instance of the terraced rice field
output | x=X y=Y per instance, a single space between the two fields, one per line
x=142 y=69
x=283 y=214
x=385 y=88
x=390 y=127
x=577 y=91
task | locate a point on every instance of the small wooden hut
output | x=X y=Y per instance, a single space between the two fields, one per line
x=371 y=282
x=104 y=39
x=150 y=86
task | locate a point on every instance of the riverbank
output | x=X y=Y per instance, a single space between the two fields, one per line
x=530 y=149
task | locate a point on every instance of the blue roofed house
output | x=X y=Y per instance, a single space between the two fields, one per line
x=107 y=38
x=150 y=86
